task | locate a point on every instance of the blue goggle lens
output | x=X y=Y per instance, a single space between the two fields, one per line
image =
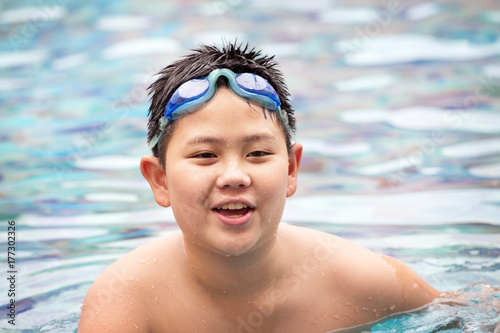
x=257 y=85
x=188 y=92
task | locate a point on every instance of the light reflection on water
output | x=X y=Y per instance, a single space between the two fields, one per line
x=400 y=125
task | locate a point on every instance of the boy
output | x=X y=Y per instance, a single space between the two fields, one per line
x=221 y=129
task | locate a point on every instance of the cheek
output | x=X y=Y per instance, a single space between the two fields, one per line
x=274 y=181
x=187 y=202
x=187 y=187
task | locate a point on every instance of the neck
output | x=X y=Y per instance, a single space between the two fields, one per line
x=240 y=275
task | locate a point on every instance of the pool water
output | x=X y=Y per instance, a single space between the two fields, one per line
x=398 y=108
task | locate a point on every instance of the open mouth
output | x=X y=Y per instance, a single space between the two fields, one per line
x=233 y=210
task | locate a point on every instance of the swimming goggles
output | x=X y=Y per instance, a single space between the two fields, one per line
x=194 y=94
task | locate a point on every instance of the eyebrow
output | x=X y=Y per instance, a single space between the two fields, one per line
x=249 y=139
x=259 y=137
x=203 y=139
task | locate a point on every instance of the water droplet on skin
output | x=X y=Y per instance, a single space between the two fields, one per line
x=392 y=307
x=136 y=327
x=156 y=299
x=153 y=286
x=91 y=323
x=154 y=260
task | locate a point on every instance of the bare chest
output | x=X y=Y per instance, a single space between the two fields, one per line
x=278 y=311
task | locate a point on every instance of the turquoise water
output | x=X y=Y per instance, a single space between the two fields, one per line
x=398 y=108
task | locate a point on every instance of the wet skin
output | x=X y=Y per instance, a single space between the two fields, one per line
x=234 y=267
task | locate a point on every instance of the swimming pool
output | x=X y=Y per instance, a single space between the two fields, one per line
x=397 y=107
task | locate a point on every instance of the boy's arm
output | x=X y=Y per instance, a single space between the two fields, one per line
x=378 y=285
x=410 y=290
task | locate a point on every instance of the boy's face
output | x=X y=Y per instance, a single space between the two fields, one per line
x=227 y=175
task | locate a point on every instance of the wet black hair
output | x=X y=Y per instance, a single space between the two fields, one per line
x=199 y=63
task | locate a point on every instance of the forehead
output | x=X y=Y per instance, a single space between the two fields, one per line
x=228 y=117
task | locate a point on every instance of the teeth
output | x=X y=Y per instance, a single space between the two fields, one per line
x=233 y=205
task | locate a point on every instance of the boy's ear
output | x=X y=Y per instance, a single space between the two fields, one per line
x=152 y=170
x=293 y=169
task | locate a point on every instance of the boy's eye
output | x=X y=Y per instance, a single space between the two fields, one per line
x=258 y=154
x=205 y=155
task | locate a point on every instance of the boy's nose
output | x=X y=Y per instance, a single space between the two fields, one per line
x=233 y=176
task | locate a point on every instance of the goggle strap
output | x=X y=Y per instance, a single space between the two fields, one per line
x=154 y=140
x=159 y=134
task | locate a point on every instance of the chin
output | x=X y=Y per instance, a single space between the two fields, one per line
x=236 y=250
x=237 y=246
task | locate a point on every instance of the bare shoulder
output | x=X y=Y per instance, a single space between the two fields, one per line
x=118 y=300
x=363 y=278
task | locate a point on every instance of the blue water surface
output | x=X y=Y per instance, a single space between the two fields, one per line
x=397 y=104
